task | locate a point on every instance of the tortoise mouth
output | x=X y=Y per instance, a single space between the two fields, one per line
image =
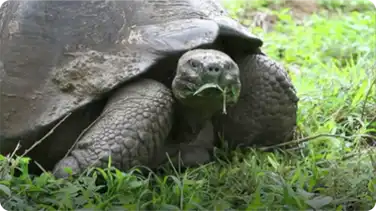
x=206 y=96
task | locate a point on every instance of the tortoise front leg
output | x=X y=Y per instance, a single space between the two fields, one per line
x=132 y=128
x=266 y=111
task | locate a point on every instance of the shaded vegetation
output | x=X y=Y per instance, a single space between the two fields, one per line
x=330 y=56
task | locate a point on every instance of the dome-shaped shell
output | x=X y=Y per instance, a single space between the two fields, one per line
x=57 y=56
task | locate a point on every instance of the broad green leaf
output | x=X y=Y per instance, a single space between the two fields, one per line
x=5 y=189
x=319 y=202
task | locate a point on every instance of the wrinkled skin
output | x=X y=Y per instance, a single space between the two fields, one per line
x=264 y=115
x=114 y=65
x=138 y=118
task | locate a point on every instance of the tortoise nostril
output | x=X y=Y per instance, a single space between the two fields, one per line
x=213 y=69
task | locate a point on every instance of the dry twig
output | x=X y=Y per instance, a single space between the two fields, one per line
x=45 y=136
x=302 y=140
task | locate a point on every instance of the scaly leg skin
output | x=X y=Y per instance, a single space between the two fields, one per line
x=266 y=111
x=133 y=126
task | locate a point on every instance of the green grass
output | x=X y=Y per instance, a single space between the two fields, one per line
x=331 y=60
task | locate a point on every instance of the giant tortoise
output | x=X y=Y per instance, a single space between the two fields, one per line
x=131 y=80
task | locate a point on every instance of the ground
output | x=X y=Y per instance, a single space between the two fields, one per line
x=330 y=55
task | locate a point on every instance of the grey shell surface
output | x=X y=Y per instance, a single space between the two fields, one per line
x=57 y=56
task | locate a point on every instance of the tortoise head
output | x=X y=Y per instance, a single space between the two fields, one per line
x=207 y=80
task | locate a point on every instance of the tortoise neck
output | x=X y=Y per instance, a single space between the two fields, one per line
x=191 y=121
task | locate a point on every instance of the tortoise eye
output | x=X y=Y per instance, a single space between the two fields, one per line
x=194 y=63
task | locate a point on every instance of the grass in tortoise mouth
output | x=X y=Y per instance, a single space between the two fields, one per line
x=216 y=86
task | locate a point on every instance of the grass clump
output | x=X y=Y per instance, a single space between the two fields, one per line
x=331 y=60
